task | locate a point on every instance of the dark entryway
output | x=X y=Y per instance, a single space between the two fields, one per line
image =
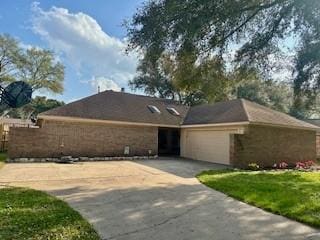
x=169 y=141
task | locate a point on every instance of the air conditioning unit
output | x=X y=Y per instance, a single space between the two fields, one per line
x=126 y=150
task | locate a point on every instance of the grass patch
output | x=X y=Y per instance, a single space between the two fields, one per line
x=293 y=194
x=31 y=214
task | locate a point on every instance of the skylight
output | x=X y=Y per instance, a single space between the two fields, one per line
x=154 y=109
x=173 y=111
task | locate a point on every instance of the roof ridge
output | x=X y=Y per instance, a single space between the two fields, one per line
x=144 y=96
x=273 y=111
x=168 y=101
x=242 y=101
x=117 y=106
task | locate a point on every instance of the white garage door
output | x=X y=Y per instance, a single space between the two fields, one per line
x=211 y=146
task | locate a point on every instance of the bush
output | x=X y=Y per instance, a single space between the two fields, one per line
x=305 y=164
x=253 y=167
x=281 y=165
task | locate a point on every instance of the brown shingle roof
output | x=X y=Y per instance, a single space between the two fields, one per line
x=315 y=122
x=260 y=114
x=119 y=106
x=222 y=112
x=240 y=110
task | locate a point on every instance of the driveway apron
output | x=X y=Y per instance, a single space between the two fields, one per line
x=153 y=199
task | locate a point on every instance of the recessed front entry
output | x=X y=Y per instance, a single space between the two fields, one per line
x=169 y=141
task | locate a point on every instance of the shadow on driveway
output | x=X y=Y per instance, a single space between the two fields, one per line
x=177 y=212
x=152 y=199
x=181 y=167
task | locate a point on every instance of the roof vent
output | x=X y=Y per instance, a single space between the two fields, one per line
x=154 y=109
x=173 y=111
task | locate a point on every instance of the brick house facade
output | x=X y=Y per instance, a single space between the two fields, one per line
x=267 y=145
x=235 y=132
x=316 y=122
x=61 y=138
x=318 y=145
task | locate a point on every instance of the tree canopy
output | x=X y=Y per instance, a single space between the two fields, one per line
x=35 y=66
x=269 y=35
x=276 y=95
x=38 y=105
x=183 y=80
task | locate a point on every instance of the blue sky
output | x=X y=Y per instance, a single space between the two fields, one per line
x=86 y=36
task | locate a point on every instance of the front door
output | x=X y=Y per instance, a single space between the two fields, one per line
x=169 y=141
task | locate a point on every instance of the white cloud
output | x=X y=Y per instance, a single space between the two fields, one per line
x=103 y=84
x=86 y=47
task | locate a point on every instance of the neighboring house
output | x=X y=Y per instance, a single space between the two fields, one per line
x=316 y=122
x=5 y=124
x=235 y=132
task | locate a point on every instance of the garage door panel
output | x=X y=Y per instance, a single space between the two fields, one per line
x=211 y=146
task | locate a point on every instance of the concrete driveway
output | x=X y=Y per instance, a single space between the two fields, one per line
x=152 y=199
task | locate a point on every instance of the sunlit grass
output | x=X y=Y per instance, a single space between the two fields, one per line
x=292 y=194
x=31 y=214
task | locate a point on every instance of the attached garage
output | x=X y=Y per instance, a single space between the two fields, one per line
x=240 y=132
x=211 y=146
x=208 y=144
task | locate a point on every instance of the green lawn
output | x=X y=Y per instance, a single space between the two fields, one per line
x=292 y=194
x=30 y=214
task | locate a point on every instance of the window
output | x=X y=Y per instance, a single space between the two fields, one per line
x=154 y=109
x=173 y=111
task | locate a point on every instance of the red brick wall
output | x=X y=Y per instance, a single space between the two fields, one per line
x=268 y=145
x=81 y=139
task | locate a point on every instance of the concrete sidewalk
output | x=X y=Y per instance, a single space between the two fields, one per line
x=153 y=199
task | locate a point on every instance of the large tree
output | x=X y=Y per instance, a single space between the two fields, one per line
x=38 y=105
x=275 y=95
x=184 y=81
x=209 y=82
x=154 y=79
x=9 y=52
x=35 y=66
x=38 y=68
x=265 y=34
